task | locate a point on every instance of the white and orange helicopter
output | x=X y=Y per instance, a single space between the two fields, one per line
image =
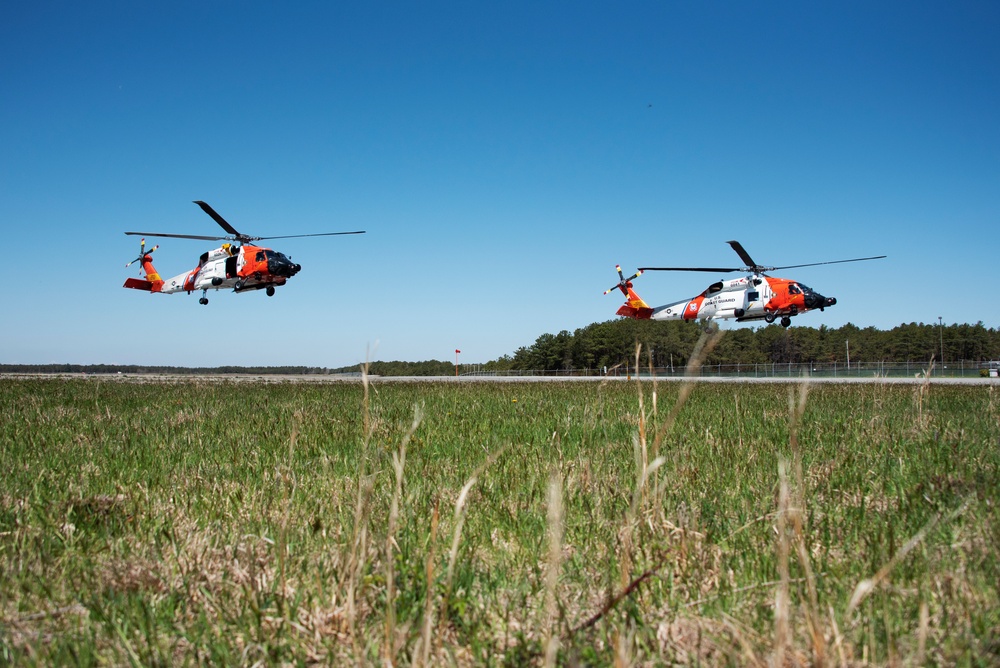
x=756 y=296
x=243 y=268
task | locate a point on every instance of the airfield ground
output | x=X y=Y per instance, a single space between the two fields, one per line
x=482 y=521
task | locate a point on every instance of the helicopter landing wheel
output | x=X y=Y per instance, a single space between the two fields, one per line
x=203 y=301
x=270 y=291
x=769 y=317
x=239 y=285
x=786 y=321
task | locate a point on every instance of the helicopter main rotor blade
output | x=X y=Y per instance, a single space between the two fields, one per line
x=242 y=237
x=744 y=255
x=714 y=270
x=321 y=234
x=813 y=264
x=217 y=218
x=752 y=267
x=178 y=236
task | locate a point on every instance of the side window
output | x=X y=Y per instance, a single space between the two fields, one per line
x=260 y=256
x=793 y=289
x=753 y=295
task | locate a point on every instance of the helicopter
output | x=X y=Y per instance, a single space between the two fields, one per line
x=244 y=267
x=756 y=296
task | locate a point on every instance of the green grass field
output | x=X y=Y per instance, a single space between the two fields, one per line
x=504 y=524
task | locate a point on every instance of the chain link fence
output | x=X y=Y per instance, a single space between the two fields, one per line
x=908 y=369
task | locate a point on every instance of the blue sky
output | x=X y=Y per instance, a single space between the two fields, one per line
x=503 y=159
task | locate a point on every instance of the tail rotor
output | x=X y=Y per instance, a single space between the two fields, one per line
x=623 y=283
x=142 y=252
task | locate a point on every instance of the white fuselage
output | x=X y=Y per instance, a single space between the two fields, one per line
x=218 y=269
x=742 y=298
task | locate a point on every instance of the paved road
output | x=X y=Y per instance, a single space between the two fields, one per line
x=333 y=378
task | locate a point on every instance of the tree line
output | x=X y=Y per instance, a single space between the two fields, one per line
x=670 y=343
x=664 y=344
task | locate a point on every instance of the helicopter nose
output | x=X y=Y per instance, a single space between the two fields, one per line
x=286 y=269
x=816 y=300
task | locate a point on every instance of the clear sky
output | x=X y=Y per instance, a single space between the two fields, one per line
x=503 y=158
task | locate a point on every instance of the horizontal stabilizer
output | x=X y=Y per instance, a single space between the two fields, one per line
x=637 y=312
x=138 y=284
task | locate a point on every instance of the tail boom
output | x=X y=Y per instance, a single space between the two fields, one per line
x=634 y=307
x=152 y=283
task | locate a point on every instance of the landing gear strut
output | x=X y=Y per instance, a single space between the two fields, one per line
x=204 y=300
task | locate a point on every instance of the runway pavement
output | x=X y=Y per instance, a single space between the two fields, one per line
x=355 y=378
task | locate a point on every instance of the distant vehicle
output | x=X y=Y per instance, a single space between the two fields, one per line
x=756 y=296
x=243 y=268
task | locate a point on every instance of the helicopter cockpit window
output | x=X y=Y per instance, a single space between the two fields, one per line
x=260 y=256
x=805 y=288
x=793 y=289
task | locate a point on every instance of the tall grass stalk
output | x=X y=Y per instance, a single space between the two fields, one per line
x=458 y=521
x=355 y=563
x=398 y=464
x=797 y=517
x=782 y=596
x=555 y=521
x=422 y=652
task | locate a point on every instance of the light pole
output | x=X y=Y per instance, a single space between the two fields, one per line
x=457 y=351
x=941 y=327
